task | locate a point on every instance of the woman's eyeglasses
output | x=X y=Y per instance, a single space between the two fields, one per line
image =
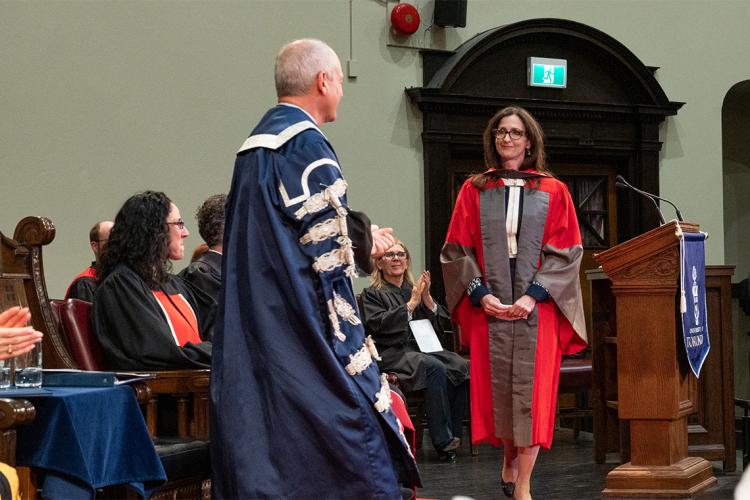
x=179 y=223
x=514 y=133
x=393 y=255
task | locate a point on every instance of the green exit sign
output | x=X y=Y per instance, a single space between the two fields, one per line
x=545 y=72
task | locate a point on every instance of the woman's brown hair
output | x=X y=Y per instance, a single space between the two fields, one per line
x=535 y=159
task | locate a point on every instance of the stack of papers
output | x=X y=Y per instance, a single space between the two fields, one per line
x=425 y=335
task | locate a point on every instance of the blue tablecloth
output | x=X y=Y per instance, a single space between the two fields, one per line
x=88 y=438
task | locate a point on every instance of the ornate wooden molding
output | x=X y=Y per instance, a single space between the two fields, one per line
x=14 y=412
x=646 y=255
x=659 y=268
x=33 y=230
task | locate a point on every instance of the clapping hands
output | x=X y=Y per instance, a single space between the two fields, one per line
x=15 y=337
x=421 y=292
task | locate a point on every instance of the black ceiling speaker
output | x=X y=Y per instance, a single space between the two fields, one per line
x=450 y=13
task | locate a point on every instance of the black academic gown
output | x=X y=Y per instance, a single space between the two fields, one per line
x=84 y=285
x=82 y=289
x=133 y=329
x=386 y=319
x=205 y=273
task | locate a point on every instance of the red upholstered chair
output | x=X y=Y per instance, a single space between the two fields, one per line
x=415 y=404
x=74 y=319
x=189 y=387
x=414 y=400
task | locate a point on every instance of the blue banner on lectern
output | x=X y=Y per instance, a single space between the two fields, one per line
x=693 y=299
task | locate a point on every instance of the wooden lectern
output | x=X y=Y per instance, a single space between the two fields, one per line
x=656 y=388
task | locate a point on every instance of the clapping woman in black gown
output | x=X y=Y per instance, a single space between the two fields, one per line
x=390 y=303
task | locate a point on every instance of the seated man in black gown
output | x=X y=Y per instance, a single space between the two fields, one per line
x=205 y=271
x=144 y=317
x=393 y=300
x=84 y=285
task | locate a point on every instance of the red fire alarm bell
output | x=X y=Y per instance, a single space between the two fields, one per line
x=405 y=19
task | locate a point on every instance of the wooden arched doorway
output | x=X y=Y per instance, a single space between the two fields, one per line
x=604 y=123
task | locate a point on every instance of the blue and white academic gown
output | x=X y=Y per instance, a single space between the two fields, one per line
x=299 y=408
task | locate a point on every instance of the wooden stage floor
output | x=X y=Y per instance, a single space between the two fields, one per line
x=566 y=472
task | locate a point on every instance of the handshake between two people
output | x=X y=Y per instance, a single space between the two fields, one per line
x=382 y=240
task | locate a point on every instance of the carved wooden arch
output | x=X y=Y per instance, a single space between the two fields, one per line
x=609 y=114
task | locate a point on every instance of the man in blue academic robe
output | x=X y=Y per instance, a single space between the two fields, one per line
x=299 y=408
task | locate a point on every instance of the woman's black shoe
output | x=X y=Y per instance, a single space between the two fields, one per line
x=447 y=456
x=508 y=488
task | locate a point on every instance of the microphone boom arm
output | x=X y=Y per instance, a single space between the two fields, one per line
x=621 y=180
x=656 y=205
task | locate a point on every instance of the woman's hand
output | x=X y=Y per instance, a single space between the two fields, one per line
x=493 y=307
x=427 y=300
x=15 y=337
x=382 y=240
x=15 y=317
x=416 y=295
x=522 y=307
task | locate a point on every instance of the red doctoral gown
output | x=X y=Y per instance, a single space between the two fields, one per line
x=515 y=366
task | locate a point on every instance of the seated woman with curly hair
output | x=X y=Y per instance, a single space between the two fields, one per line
x=144 y=317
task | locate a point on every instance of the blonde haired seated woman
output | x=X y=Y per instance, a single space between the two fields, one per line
x=394 y=299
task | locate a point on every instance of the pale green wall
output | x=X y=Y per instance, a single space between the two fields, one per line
x=100 y=99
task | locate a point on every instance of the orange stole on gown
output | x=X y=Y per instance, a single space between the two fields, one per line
x=181 y=318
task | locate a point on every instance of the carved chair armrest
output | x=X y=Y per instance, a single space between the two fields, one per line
x=13 y=412
x=185 y=458
x=190 y=389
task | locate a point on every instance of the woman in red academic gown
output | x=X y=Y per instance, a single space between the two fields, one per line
x=510 y=263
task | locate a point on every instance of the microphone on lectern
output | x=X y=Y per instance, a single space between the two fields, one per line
x=621 y=182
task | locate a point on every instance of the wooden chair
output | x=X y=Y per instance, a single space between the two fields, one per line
x=188 y=387
x=73 y=317
x=184 y=453
x=415 y=404
x=22 y=282
x=14 y=413
x=576 y=377
x=415 y=400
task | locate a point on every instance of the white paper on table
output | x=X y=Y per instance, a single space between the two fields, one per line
x=425 y=335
